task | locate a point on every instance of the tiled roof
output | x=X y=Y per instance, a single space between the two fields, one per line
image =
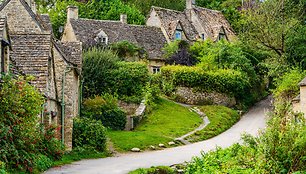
x=169 y=19
x=212 y=21
x=2 y=27
x=303 y=82
x=31 y=54
x=72 y=51
x=86 y=30
x=46 y=22
x=150 y=38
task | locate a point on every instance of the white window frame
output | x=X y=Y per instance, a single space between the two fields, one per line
x=155 y=69
x=180 y=32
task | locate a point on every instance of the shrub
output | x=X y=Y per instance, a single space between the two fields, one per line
x=154 y=170
x=2 y=168
x=177 y=53
x=89 y=132
x=42 y=163
x=225 y=81
x=287 y=85
x=128 y=51
x=21 y=137
x=105 y=109
x=104 y=74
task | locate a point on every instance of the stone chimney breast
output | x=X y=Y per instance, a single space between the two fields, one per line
x=190 y=4
x=72 y=12
x=123 y=18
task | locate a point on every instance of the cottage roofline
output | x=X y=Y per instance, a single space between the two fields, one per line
x=29 y=10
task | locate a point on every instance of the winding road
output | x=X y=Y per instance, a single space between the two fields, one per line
x=251 y=123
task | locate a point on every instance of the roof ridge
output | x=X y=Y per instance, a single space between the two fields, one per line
x=162 y=8
x=97 y=20
x=203 y=8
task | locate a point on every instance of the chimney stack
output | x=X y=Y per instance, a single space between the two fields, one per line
x=123 y=18
x=190 y=4
x=72 y=12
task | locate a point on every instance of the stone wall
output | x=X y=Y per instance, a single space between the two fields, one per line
x=133 y=120
x=19 y=19
x=190 y=96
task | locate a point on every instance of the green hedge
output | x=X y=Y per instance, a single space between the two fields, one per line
x=89 y=132
x=223 y=80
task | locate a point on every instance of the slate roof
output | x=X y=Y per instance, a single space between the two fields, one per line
x=72 y=52
x=46 y=22
x=86 y=31
x=31 y=54
x=212 y=21
x=150 y=38
x=303 y=82
x=170 y=18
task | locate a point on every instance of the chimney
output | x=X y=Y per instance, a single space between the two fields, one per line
x=123 y=18
x=190 y=4
x=72 y=12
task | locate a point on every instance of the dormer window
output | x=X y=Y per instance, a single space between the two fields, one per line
x=203 y=36
x=178 y=34
x=102 y=38
x=222 y=34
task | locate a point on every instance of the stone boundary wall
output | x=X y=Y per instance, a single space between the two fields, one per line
x=193 y=97
x=133 y=120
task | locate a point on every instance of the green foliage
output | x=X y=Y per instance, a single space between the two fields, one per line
x=43 y=163
x=152 y=90
x=223 y=80
x=97 y=66
x=129 y=79
x=105 y=109
x=79 y=153
x=171 y=49
x=89 y=132
x=96 y=9
x=21 y=137
x=104 y=74
x=287 y=85
x=2 y=168
x=154 y=170
x=128 y=51
x=221 y=118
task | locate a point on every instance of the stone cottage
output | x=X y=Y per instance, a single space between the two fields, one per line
x=299 y=103
x=4 y=46
x=105 y=32
x=191 y=24
x=55 y=65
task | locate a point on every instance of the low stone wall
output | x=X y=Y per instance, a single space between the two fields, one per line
x=192 y=97
x=133 y=119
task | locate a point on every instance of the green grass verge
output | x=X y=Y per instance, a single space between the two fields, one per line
x=153 y=170
x=221 y=118
x=79 y=154
x=166 y=122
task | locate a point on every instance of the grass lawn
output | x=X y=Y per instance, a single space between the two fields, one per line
x=166 y=122
x=221 y=118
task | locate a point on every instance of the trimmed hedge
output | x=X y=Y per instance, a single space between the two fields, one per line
x=223 y=80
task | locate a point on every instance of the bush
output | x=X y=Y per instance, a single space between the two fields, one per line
x=287 y=85
x=21 y=137
x=128 y=51
x=154 y=170
x=43 y=163
x=104 y=74
x=105 y=109
x=225 y=81
x=2 y=168
x=89 y=132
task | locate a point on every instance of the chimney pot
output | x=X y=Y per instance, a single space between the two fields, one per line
x=123 y=18
x=72 y=12
x=190 y=4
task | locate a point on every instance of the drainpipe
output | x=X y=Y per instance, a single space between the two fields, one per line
x=80 y=95
x=68 y=69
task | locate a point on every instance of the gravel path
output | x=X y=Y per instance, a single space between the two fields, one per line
x=250 y=123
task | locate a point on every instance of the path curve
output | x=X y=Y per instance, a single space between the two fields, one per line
x=250 y=123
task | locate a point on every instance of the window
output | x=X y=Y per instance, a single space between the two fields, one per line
x=178 y=34
x=102 y=38
x=203 y=36
x=155 y=69
x=221 y=36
